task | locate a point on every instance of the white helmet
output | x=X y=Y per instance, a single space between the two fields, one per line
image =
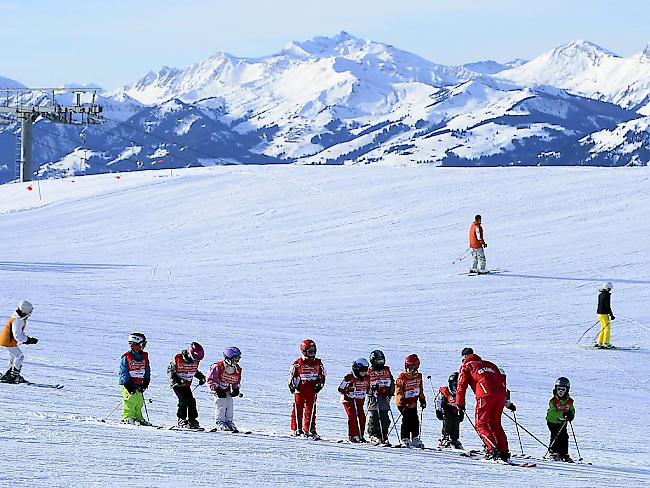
x=608 y=285
x=25 y=307
x=137 y=338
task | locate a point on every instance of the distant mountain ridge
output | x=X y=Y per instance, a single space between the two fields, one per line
x=346 y=100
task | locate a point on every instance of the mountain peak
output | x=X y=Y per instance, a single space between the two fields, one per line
x=582 y=49
x=321 y=46
x=646 y=51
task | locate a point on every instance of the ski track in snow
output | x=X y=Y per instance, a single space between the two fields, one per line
x=357 y=259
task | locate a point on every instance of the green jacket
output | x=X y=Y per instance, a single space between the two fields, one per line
x=557 y=407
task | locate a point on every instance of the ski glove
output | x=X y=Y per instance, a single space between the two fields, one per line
x=130 y=387
x=235 y=392
x=423 y=404
x=568 y=416
x=221 y=393
x=440 y=415
x=31 y=340
x=292 y=388
x=201 y=377
x=144 y=385
x=461 y=415
x=176 y=381
x=611 y=316
x=317 y=387
x=511 y=406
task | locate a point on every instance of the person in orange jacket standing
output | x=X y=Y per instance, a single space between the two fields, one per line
x=477 y=245
x=409 y=388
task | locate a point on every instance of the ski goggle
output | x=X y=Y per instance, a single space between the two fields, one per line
x=561 y=389
x=310 y=351
x=234 y=359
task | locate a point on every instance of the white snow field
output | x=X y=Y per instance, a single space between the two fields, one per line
x=356 y=258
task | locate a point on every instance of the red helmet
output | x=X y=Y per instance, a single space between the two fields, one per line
x=412 y=361
x=196 y=351
x=308 y=348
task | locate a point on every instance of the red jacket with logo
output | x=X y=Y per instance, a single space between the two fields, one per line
x=306 y=372
x=353 y=388
x=409 y=388
x=483 y=377
x=185 y=371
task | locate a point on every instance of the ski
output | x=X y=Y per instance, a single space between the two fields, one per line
x=633 y=347
x=176 y=427
x=486 y=272
x=42 y=385
x=236 y=431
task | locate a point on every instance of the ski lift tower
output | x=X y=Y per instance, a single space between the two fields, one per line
x=28 y=104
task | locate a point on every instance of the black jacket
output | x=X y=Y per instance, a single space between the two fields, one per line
x=604 y=306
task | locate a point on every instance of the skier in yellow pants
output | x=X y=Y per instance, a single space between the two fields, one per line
x=604 y=315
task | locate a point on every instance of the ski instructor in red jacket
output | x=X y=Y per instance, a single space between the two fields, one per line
x=489 y=385
x=477 y=245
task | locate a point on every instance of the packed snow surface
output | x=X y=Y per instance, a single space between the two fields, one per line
x=356 y=258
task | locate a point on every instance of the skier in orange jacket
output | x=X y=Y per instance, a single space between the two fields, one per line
x=477 y=245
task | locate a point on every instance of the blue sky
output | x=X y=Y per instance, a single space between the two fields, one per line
x=113 y=42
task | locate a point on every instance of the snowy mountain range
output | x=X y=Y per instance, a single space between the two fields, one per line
x=345 y=100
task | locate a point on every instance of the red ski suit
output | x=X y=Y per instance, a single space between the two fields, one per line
x=306 y=378
x=353 y=395
x=489 y=385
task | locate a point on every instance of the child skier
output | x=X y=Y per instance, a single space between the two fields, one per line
x=353 y=390
x=560 y=412
x=409 y=389
x=448 y=412
x=224 y=380
x=605 y=315
x=12 y=334
x=182 y=369
x=381 y=389
x=135 y=375
x=306 y=379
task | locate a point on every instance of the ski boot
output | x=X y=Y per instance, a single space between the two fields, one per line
x=298 y=433
x=493 y=455
x=222 y=426
x=406 y=442
x=130 y=421
x=457 y=445
x=417 y=442
x=313 y=435
x=607 y=345
x=194 y=424
x=444 y=442
x=567 y=459
x=231 y=426
x=362 y=440
x=385 y=442
x=504 y=456
x=144 y=423
x=13 y=376
x=473 y=271
x=554 y=456
x=183 y=424
x=354 y=439
x=374 y=440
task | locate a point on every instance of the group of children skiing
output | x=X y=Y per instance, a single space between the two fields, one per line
x=368 y=388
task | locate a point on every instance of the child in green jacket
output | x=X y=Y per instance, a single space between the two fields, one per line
x=560 y=412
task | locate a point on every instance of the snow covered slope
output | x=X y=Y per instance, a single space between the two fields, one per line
x=355 y=258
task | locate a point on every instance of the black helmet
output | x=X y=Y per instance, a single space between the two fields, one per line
x=360 y=367
x=453 y=382
x=563 y=382
x=466 y=351
x=377 y=359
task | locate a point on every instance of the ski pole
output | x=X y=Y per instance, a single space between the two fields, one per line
x=583 y=334
x=461 y=257
x=420 y=426
x=521 y=446
x=575 y=440
x=111 y=412
x=145 y=408
x=356 y=416
x=562 y=427
x=295 y=414
x=393 y=417
x=313 y=412
x=526 y=430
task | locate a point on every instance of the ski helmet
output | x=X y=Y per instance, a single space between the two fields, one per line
x=308 y=348
x=453 y=382
x=608 y=285
x=137 y=339
x=412 y=362
x=360 y=367
x=195 y=351
x=466 y=352
x=231 y=355
x=377 y=359
x=563 y=382
x=25 y=307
